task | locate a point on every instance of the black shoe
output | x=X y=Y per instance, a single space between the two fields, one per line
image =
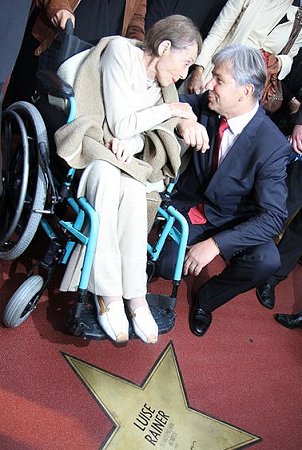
x=290 y=320
x=199 y=321
x=266 y=295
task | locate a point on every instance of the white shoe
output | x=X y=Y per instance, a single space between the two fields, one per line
x=144 y=324
x=113 y=319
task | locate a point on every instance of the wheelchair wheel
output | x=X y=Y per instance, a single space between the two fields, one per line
x=23 y=302
x=24 y=183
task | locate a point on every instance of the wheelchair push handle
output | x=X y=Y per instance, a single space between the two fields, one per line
x=68 y=28
x=70 y=43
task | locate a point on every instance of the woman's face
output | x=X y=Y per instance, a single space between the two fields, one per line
x=173 y=64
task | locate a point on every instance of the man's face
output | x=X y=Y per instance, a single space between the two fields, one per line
x=225 y=96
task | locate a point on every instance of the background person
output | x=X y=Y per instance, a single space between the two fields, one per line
x=13 y=18
x=203 y=13
x=262 y=24
x=290 y=245
x=92 y=21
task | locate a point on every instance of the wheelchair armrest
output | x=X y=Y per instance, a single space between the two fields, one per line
x=54 y=85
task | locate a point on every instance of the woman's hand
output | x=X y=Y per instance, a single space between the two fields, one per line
x=194 y=134
x=195 y=82
x=182 y=110
x=60 y=18
x=122 y=149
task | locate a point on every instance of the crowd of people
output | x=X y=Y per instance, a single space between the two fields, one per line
x=240 y=187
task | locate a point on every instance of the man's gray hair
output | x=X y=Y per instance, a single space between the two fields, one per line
x=247 y=66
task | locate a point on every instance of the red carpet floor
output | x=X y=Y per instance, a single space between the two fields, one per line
x=246 y=371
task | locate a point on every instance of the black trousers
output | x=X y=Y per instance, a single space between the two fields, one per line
x=290 y=249
x=243 y=272
x=290 y=246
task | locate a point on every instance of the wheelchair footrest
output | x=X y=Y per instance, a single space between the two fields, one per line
x=87 y=326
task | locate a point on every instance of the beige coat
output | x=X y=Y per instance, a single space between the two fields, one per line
x=254 y=23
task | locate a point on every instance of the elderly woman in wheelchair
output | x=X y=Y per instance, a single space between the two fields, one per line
x=121 y=116
x=123 y=138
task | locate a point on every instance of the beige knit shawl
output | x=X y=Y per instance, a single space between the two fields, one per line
x=82 y=140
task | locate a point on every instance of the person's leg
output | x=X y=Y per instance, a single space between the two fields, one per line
x=290 y=249
x=294 y=185
x=132 y=238
x=290 y=245
x=101 y=184
x=119 y=267
x=244 y=272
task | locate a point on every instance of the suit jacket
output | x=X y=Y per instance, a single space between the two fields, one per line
x=298 y=117
x=245 y=199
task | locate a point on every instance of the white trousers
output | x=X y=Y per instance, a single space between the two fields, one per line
x=119 y=266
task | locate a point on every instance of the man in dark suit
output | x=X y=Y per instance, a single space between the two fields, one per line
x=290 y=245
x=237 y=209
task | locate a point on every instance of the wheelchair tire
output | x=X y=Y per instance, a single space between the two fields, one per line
x=12 y=250
x=23 y=302
x=25 y=189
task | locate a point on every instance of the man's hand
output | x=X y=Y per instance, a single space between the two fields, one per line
x=122 y=149
x=200 y=255
x=60 y=18
x=296 y=138
x=195 y=82
x=194 y=134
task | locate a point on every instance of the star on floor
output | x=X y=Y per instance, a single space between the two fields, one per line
x=156 y=414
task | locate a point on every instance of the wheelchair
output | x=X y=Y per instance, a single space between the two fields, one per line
x=38 y=195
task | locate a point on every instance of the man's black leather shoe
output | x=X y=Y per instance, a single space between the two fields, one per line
x=199 y=321
x=266 y=295
x=290 y=320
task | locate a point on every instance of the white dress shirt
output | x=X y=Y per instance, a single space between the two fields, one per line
x=236 y=125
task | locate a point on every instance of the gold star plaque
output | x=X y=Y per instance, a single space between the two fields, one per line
x=155 y=414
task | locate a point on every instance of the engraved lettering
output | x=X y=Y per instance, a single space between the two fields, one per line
x=157 y=427
x=144 y=417
x=149 y=439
